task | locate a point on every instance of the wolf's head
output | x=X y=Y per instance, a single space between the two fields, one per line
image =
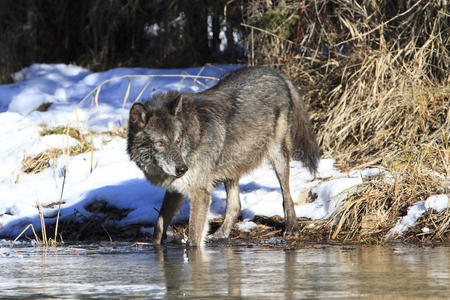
x=155 y=135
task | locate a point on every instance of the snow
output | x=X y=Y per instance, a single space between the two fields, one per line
x=436 y=202
x=108 y=175
x=246 y=226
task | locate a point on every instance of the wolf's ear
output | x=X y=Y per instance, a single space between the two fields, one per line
x=177 y=105
x=138 y=115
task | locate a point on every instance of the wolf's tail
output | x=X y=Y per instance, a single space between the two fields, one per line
x=304 y=144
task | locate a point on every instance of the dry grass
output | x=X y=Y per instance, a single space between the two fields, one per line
x=37 y=163
x=385 y=112
x=43 y=241
x=371 y=212
x=381 y=83
x=65 y=130
x=376 y=77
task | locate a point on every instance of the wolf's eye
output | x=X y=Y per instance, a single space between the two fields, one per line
x=178 y=140
x=159 y=143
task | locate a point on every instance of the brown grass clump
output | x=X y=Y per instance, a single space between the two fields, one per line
x=370 y=213
x=37 y=163
x=65 y=130
x=437 y=225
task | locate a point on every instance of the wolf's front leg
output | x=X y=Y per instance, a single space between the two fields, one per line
x=232 y=210
x=170 y=207
x=200 y=200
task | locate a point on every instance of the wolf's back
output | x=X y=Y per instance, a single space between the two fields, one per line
x=258 y=94
x=304 y=144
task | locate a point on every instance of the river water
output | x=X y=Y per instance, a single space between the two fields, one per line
x=172 y=272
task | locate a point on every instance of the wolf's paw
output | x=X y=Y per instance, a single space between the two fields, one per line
x=192 y=244
x=214 y=238
x=218 y=236
x=291 y=233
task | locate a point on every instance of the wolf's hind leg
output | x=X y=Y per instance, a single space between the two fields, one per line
x=232 y=210
x=170 y=207
x=279 y=159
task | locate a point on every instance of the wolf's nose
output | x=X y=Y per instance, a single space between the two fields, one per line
x=181 y=170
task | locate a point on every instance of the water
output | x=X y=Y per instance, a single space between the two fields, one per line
x=172 y=272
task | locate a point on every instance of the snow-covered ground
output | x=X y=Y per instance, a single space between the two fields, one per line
x=113 y=177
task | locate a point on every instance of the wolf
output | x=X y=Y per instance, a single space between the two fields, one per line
x=188 y=143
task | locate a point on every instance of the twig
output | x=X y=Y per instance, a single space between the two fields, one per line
x=142 y=91
x=109 y=236
x=59 y=205
x=267 y=32
x=127 y=93
x=198 y=81
x=23 y=231
x=43 y=229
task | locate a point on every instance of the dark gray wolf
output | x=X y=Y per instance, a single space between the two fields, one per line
x=188 y=143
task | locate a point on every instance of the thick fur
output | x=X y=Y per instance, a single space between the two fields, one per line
x=188 y=143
